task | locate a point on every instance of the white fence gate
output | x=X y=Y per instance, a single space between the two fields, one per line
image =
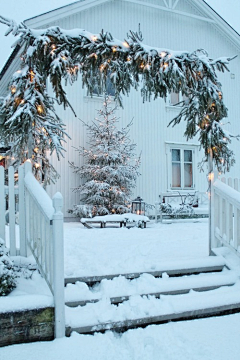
x=225 y=213
x=40 y=230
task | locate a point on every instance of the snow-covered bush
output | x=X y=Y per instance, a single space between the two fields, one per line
x=7 y=273
x=82 y=211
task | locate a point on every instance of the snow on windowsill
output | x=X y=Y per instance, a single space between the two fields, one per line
x=176 y=108
x=96 y=98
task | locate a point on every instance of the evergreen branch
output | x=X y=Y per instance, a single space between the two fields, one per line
x=64 y=54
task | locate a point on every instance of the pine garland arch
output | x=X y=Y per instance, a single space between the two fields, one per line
x=58 y=54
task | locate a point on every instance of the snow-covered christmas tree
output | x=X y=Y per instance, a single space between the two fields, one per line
x=110 y=171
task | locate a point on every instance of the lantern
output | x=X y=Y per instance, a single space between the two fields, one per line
x=3 y=157
x=138 y=206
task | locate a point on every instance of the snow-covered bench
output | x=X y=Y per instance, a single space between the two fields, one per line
x=122 y=220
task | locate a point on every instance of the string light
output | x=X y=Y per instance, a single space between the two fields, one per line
x=94 y=55
x=32 y=75
x=114 y=49
x=163 y=54
x=211 y=176
x=94 y=38
x=53 y=46
x=125 y=44
x=39 y=109
x=13 y=89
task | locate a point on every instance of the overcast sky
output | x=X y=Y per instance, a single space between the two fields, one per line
x=20 y=10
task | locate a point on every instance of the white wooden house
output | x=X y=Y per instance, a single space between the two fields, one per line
x=168 y=161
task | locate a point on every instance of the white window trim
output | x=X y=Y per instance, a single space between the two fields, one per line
x=181 y=146
x=171 y=106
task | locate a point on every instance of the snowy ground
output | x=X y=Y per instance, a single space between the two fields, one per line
x=121 y=250
x=113 y=251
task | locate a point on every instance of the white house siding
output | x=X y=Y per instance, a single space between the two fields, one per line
x=14 y=66
x=149 y=130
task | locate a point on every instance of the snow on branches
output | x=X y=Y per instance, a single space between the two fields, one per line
x=109 y=172
x=64 y=54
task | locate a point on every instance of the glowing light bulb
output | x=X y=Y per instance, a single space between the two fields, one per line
x=125 y=44
x=13 y=89
x=39 y=109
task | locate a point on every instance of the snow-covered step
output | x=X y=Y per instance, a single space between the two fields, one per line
x=172 y=268
x=120 y=289
x=141 y=311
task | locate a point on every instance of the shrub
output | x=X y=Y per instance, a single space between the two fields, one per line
x=7 y=273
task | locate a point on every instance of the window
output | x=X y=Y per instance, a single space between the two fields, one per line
x=175 y=98
x=181 y=167
x=110 y=90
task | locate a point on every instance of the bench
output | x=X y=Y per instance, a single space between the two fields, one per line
x=122 y=220
x=185 y=201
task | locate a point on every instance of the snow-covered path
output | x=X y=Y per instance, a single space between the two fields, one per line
x=206 y=339
x=115 y=250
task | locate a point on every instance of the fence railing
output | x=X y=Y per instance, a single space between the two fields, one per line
x=40 y=230
x=225 y=208
x=234 y=183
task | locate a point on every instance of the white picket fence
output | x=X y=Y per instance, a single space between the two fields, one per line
x=225 y=213
x=40 y=230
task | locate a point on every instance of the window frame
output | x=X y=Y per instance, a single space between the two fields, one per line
x=100 y=96
x=181 y=147
x=169 y=98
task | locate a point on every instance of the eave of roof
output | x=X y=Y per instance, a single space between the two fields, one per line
x=53 y=11
x=221 y=18
x=9 y=61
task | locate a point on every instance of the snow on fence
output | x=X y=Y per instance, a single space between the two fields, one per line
x=225 y=214
x=40 y=229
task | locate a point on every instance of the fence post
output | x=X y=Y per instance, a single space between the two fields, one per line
x=58 y=266
x=156 y=211
x=212 y=176
x=236 y=184
x=2 y=204
x=11 y=208
x=22 y=212
x=28 y=224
